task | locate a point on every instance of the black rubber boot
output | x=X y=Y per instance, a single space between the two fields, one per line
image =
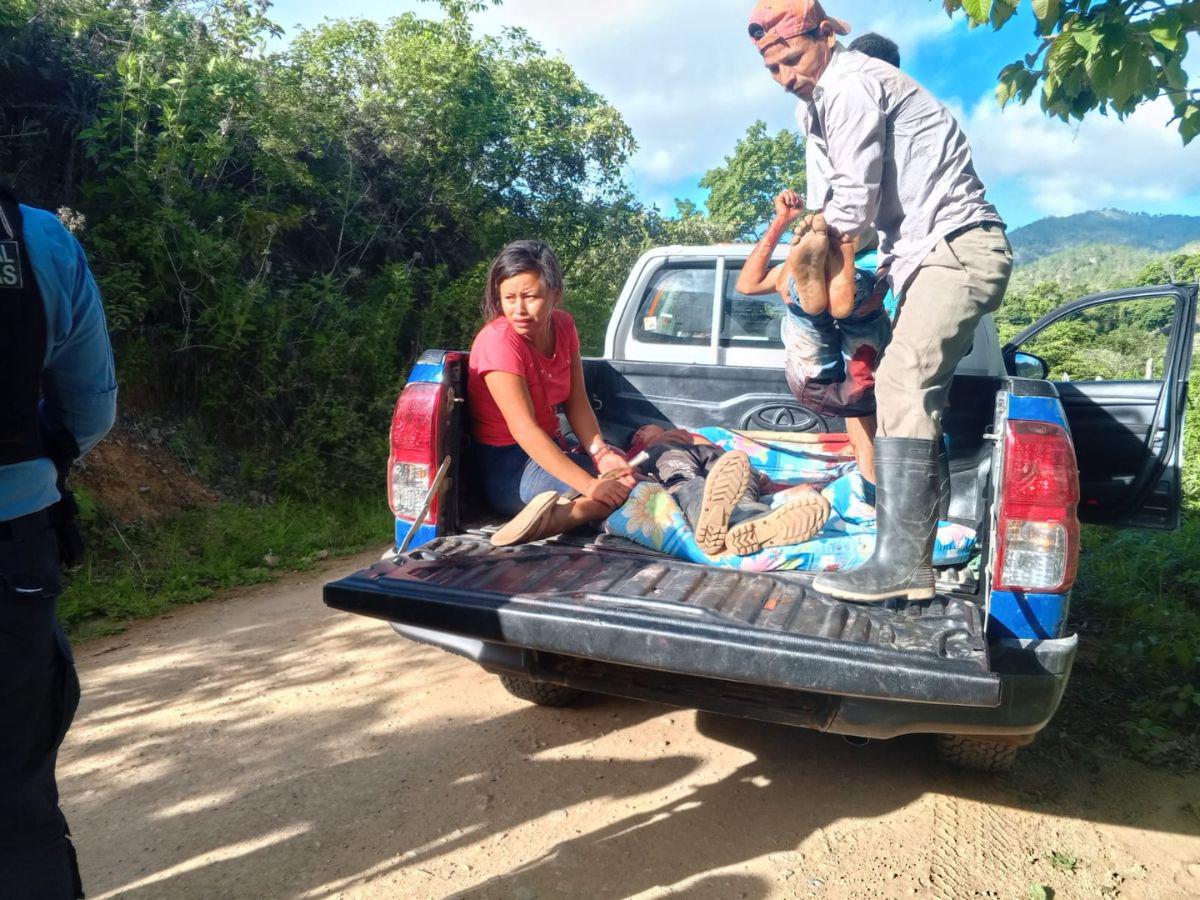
x=906 y=519
x=943 y=482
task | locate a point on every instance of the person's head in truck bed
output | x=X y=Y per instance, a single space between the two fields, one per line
x=524 y=366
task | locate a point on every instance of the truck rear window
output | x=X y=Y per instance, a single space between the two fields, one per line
x=677 y=306
x=749 y=321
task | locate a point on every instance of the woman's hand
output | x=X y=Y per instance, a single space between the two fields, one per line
x=610 y=492
x=609 y=459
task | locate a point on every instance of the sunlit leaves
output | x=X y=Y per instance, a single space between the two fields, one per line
x=978 y=10
x=1111 y=56
x=743 y=188
x=1002 y=11
x=1048 y=13
x=278 y=232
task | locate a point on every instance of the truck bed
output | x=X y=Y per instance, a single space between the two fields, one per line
x=608 y=602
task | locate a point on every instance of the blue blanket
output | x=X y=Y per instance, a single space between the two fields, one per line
x=652 y=518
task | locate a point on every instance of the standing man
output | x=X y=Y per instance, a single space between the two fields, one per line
x=57 y=399
x=831 y=358
x=892 y=155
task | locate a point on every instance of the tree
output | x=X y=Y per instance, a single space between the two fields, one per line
x=277 y=234
x=1180 y=268
x=742 y=191
x=1114 y=55
x=1022 y=308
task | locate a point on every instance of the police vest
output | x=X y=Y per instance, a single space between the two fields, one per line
x=22 y=340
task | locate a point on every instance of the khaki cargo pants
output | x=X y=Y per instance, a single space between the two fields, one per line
x=961 y=280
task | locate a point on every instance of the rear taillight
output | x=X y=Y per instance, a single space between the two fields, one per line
x=1038 y=529
x=413 y=461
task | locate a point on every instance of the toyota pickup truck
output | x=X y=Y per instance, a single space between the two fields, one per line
x=1035 y=449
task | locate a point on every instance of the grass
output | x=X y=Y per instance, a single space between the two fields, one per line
x=139 y=571
x=1137 y=609
x=1064 y=862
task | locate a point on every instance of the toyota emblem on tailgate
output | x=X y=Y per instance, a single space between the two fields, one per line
x=782 y=417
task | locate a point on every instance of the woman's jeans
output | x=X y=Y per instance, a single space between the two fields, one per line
x=511 y=479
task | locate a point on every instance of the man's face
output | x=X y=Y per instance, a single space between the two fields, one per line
x=798 y=63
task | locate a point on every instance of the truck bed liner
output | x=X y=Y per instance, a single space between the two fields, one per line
x=666 y=614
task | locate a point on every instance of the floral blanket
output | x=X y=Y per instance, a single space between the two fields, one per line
x=652 y=518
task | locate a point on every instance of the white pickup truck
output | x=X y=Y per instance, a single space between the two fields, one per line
x=983 y=665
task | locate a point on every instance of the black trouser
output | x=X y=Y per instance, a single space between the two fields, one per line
x=39 y=692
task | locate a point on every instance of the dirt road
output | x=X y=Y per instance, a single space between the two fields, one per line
x=264 y=746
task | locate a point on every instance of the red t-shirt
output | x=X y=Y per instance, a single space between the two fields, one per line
x=498 y=348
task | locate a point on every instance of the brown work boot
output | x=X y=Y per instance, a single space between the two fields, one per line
x=807 y=264
x=724 y=488
x=543 y=517
x=793 y=523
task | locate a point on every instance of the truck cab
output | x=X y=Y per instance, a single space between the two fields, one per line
x=1035 y=449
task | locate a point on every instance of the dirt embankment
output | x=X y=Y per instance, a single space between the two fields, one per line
x=133 y=476
x=266 y=746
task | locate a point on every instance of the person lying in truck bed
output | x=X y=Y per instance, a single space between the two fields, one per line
x=524 y=364
x=720 y=495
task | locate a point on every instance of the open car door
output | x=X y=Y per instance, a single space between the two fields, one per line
x=1121 y=363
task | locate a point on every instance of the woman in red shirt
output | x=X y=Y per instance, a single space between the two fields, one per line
x=524 y=364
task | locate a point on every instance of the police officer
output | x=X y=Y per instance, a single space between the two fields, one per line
x=57 y=399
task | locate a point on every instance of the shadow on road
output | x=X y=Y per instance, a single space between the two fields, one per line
x=310 y=801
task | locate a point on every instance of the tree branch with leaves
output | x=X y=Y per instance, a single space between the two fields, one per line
x=1112 y=56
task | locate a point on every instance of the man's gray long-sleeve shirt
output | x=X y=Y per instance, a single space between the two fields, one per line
x=882 y=150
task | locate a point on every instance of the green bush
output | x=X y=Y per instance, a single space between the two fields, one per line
x=278 y=234
x=140 y=570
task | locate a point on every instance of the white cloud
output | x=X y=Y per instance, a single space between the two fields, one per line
x=565 y=24
x=1068 y=168
x=683 y=73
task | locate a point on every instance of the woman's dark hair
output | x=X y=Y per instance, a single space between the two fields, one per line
x=516 y=259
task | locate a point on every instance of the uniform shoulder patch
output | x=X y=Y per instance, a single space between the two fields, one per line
x=10 y=265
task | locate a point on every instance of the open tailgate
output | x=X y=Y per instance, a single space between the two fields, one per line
x=653 y=612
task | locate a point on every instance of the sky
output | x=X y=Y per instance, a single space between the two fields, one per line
x=689 y=83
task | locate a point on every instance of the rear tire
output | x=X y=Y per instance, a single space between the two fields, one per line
x=976 y=754
x=539 y=692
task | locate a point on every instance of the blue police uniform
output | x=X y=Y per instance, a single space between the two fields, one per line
x=56 y=376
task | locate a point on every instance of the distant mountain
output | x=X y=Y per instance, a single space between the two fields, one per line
x=1093 y=268
x=1159 y=234
x=1084 y=270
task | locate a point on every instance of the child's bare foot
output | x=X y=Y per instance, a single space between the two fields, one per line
x=805 y=266
x=840 y=270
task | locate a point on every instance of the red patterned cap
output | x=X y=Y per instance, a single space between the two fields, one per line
x=781 y=20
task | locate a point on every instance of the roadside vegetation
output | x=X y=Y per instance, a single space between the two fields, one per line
x=278 y=230
x=143 y=569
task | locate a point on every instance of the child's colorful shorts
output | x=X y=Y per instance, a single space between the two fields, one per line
x=831 y=362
